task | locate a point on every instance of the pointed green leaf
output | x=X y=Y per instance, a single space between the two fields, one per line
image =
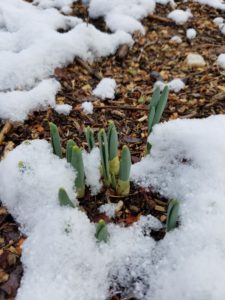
x=125 y=164
x=55 y=139
x=161 y=105
x=172 y=215
x=102 y=234
x=64 y=199
x=103 y=146
x=89 y=134
x=69 y=147
x=155 y=98
x=77 y=163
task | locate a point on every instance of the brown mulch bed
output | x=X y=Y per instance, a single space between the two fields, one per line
x=135 y=71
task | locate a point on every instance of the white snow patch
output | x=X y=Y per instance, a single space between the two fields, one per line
x=179 y=16
x=25 y=62
x=175 y=85
x=63 y=5
x=87 y=107
x=122 y=14
x=64 y=109
x=109 y=209
x=221 y=60
x=36 y=175
x=180 y=167
x=105 y=89
x=191 y=33
x=92 y=163
x=176 y=39
x=186 y=162
x=218 y=21
x=218 y=4
x=16 y=105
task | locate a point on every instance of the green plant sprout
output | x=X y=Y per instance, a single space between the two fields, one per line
x=123 y=185
x=64 y=199
x=172 y=215
x=78 y=165
x=156 y=108
x=55 y=139
x=102 y=234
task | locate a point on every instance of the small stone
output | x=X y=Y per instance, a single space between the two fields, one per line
x=195 y=60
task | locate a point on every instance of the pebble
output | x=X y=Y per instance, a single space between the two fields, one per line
x=195 y=60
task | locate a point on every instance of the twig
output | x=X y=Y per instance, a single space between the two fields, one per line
x=5 y=130
x=121 y=107
x=161 y=19
x=88 y=68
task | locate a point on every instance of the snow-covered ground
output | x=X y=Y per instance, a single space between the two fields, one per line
x=32 y=47
x=61 y=257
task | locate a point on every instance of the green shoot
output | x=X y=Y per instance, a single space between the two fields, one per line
x=77 y=163
x=113 y=149
x=64 y=199
x=55 y=140
x=69 y=147
x=172 y=215
x=123 y=185
x=102 y=234
x=103 y=146
x=89 y=134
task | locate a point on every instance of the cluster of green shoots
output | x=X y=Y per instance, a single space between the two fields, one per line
x=115 y=169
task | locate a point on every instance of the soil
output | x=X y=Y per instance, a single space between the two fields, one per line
x=135 y=70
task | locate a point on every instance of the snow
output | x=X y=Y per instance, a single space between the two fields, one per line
x=105 y=89
x=64 y=109
x=64 y=5
x=87 y=107
x=221 y=60
x=17 y=105
x=192 y=256
x=218 y=4
x=191 y=33
x=218 y=20
x=175 y=85
x=176 y=39
x=122 y=14
x=187 y=260
x=179 y=16
x=25 y=62
x=92 y=164
x=109 y=209
x=36 y=176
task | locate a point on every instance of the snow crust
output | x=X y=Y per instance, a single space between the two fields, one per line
x=87 y=107
x=92 y=163
x=105 y=89
x=176 y=39
x=180 y=167
x=64 y=109
x=191 y=33
x=25 y=62
x=221 y=60
x=175 y=85
x=218 y=4
x=122 y=14
x=179 y=16
x=109 y=209
x=187 y=260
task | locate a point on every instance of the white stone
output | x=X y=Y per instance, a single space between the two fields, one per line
x=195 y=60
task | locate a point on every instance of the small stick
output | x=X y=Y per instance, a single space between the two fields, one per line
x=161 y=19
x=88 y=68
x=5 y=130
x=121 y=107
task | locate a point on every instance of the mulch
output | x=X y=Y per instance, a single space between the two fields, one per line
x=135 y=70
